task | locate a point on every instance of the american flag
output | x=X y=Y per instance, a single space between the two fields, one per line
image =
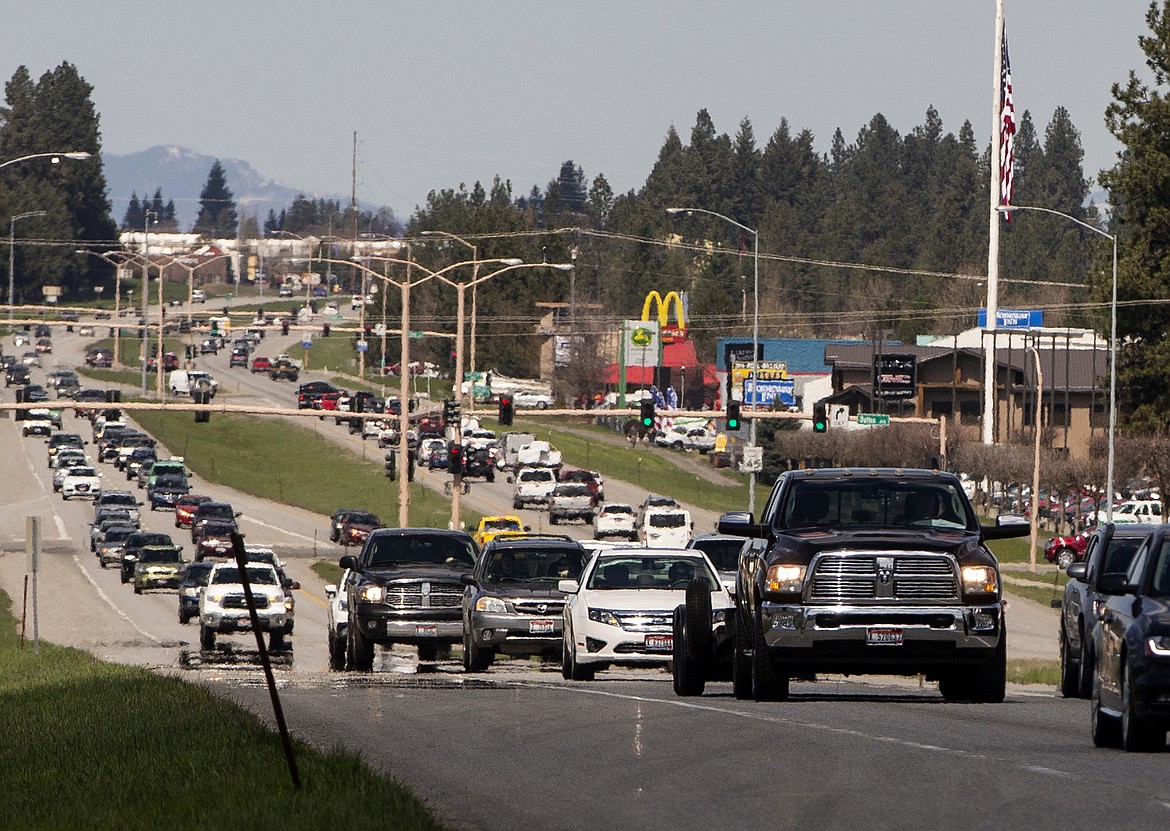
x=1007 y=128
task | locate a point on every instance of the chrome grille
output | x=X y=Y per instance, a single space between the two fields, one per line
x=424 y=595
x=238 y=601
x=654 y=622
x=845 y=578
x=533 y=607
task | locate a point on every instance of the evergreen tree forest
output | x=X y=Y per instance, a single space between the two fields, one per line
x=53 y=114
x=217 y=217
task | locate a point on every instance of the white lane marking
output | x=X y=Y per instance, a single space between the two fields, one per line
x=61 y=532
x=811 y=725
x=111 y=603
x=282 y=530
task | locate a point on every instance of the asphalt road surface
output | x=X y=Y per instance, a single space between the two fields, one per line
x=518 y=747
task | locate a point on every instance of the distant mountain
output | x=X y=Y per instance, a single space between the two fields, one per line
x=182 y=173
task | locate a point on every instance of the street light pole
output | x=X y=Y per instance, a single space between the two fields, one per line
x=146 y=290
x=752 y=435
x=1110 y=463
x=12 y=257
x=458 y=389
x=1034 y=520
x=56 y=157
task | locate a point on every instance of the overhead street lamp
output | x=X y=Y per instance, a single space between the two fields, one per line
x=145 y=292
x=12 y=256
x=77 y=155
x=474 y=274
x=124 y=257
x=1112 y=343
x=755 y=332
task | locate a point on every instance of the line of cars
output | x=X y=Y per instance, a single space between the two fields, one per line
x=521 y=594
x=1115 y=634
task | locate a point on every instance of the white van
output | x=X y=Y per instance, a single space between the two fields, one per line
x=183 y=381
x=666 y=528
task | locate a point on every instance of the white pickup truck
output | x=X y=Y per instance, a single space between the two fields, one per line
x=533 y=486
x=223 y=610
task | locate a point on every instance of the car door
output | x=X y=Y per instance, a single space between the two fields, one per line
x=1075 y=601
x=1117 y=615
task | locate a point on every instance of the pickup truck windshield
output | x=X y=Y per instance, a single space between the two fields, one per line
x=527 y=564
x=882 y=504
x=426 y=549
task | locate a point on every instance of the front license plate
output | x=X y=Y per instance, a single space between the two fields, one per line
x=660 y=643
x=540 y=627
x=883 y=636
x=426 y=630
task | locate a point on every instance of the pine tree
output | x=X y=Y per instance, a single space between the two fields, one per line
x=217 y=209
x=135 y=217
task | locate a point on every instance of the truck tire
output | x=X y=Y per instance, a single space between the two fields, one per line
x=336 y=653
x=700 y=638
x=686 y=672
x=981 y=684
x=276 y=642
x=741 y=662
x=769 y=681
x=359 y=649
x=474 y=658
x=206 y=637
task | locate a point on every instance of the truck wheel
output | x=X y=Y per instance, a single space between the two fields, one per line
x=1070 y=671
x=517 y=504
x=686 y=672
x=1137 y=734
x=491 y=475
x=474 y=658
x=359 y=649
x=206 y=637
x=336 y=653
x=276 y=642
x=1065 y=557
x=741 y=662
x=183 y=616
x=553 y=519
x=700 y=638
x=769 y=681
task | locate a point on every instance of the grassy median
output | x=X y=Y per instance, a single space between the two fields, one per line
x=94 y=745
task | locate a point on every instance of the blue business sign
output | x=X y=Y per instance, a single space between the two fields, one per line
x=769 y=391
x=1014 y=318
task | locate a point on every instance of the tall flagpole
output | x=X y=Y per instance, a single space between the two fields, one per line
x=989 y=373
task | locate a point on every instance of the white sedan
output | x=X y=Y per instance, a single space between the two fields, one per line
x=81 y=481
x=622 y=609
x=530 y=400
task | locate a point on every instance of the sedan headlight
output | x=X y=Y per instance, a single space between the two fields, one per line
x=1158 y=645
x=785 y=578
x=490 y=604
x=604 y=616
x=980 y=580
x=371 y=594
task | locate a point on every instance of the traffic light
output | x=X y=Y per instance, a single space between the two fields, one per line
x=647 y=412
x=820 y=418
x=455 y=458
x=732 y=415
x=507 y=410
x=451 y=411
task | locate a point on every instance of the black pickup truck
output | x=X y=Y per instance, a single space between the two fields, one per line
x=868 y=571
x=407 y=588
x=1110 y=550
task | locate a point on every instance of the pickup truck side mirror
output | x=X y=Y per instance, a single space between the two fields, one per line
x=1077 y=571
x=331 y=591
x=568 y=586
x=467 y=579
x=735 y=524
x=348 y=561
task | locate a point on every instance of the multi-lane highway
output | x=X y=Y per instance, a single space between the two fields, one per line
x=518 y=747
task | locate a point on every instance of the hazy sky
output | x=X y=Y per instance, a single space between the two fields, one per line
x=448 y=93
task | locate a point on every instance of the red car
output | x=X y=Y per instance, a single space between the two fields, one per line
x=331 y=400
x=1064 y=551
x=185 y=507
x=261 y=364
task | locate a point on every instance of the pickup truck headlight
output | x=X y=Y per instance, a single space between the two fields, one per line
x=980 y=580
x=214 y=597
x=785 y=578
x=371 y=594
x=604 y=616
x=1158 y=645
x=490 y=604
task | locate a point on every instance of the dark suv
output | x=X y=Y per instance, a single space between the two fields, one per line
x=310 y=392
x=406 y=589
x=211 y=511
x=511 y=603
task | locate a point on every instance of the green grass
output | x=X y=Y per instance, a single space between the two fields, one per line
x=328 y=571
x=96 y=745
x=1033 y=671
x=292 y=464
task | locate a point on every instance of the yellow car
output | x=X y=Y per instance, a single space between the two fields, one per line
x=491 y=527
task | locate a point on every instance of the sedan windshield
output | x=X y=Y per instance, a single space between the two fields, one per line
x=159 y=555
x=634 y=571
